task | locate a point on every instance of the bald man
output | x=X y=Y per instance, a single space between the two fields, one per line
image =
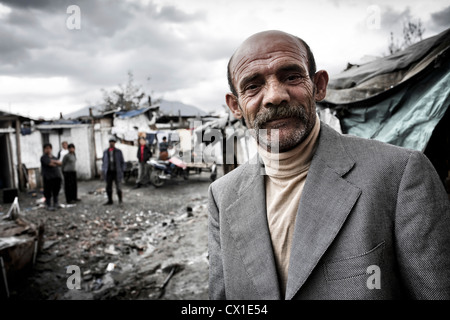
x=321 y=215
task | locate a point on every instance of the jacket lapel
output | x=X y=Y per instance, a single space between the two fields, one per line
x=249 y=227
x=326 y=201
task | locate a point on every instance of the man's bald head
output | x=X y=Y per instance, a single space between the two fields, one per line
x=265 y=36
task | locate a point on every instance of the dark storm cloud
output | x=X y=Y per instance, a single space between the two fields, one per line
x=19 y=33
x=22 y=18
x=115 y=36
x=105 y=18
x=37 y=24
x=392 y=20
x=441 y=19
x=36 y=4
x=173 y=14
x=107 y=27
x=11 y=47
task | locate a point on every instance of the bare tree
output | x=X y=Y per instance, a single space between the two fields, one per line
x=126 y=97
x=412 y=33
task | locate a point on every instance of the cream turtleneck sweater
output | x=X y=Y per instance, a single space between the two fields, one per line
x=285 y=177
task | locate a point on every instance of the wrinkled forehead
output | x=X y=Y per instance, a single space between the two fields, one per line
x=265 y=45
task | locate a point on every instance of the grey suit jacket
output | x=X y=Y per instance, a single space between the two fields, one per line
x=364 y=204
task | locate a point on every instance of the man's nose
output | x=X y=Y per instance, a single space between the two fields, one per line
x=275 y=94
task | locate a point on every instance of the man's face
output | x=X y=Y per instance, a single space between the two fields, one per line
x=64 y=145
x=48 y=150
x=112 y=144
x=275 y=91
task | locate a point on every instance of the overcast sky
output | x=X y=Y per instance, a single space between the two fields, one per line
x=183 y=46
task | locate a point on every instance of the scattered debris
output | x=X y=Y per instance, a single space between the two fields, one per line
x=110 y=267
x=19 y=242
x=112 y=251
x=147 y=248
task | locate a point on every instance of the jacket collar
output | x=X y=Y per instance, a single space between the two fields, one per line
x=247 y=215
x=326 y=201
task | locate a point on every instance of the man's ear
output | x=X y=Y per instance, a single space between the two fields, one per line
x=320 y=82
x=233 y=104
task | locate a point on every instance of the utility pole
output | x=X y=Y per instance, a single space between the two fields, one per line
x=19 y=156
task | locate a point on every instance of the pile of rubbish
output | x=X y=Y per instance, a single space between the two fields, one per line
x=20 y=241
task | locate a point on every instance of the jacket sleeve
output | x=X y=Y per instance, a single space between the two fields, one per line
x=122 y=162
x=64 y=161
x=104 y=164
x=45 y=161
x=422 y=231
x=216 y=277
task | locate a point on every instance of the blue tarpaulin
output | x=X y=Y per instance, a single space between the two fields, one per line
x=131 y=113
x=401 y=107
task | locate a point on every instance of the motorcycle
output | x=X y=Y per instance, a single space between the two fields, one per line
x=162 y=170
x=131 y=170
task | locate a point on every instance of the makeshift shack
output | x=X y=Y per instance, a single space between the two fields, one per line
x=401 y=99
x=15 y=151
x=20 y=241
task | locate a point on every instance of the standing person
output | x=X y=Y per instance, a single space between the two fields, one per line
x=163 y=147
x=70 y=175
x=112 y=170
x=143 y=155
x=51 y=175
x=63 y=151
x=318 y=214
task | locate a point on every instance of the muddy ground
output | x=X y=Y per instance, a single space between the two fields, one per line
x=153 y=246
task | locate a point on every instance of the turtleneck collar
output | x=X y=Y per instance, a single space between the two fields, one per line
x=292 y=162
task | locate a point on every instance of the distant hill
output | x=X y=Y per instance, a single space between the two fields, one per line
x=83 y=112
x=169 y=108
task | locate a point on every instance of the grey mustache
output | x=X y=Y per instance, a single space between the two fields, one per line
x=276 y=113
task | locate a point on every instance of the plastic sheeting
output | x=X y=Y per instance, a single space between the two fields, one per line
x=406 y=118
x=398 y=99
x=128 y=128
x=400 y=61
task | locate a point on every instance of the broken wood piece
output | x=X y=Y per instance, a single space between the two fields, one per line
x=5 y=280
x=14 y=211
x=169 y=277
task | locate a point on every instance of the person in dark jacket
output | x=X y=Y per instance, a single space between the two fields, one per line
x=51 y=177
x=112 y=170
x=143 y=155
x=163 y=147
x=70 y=175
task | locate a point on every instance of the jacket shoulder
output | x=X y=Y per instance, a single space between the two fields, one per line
x=235 y=181
x=370 y=150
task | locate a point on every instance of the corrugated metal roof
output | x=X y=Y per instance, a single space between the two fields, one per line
x=173 y=108
x=132 y=113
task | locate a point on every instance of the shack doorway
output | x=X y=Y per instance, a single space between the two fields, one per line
x=6 y=177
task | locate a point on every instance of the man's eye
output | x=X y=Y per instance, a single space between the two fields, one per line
x=293 y=77
x=251 y=87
